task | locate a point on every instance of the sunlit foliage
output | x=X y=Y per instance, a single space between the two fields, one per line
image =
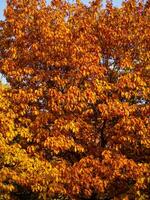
x=74 y=120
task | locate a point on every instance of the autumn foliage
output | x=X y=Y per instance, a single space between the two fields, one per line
x=74 y=118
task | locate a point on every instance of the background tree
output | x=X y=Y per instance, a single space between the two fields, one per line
x=79 y=94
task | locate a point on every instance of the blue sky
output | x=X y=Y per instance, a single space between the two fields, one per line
x=3 y=4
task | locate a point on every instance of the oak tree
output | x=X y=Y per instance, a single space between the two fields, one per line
x=75 y=116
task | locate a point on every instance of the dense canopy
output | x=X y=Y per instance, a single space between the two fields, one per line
x=74 y=118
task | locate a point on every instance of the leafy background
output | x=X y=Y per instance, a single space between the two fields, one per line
x=3 y=5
